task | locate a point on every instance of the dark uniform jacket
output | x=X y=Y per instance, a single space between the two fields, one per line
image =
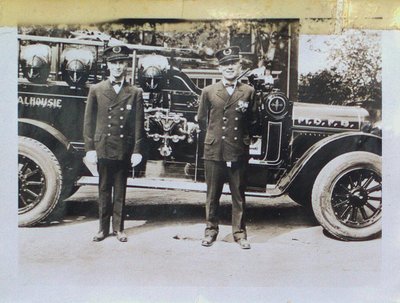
x=114 y=123
x=228 y=121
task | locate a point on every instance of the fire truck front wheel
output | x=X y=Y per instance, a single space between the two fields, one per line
x=347 y=196
x=39 y=181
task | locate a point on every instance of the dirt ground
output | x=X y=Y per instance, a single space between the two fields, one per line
x=291 y=259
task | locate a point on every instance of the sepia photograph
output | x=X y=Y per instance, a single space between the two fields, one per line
x=199 y=160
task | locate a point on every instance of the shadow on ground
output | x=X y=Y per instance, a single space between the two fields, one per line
x=295 y=215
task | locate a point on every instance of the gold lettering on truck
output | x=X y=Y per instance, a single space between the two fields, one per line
x=40 y=102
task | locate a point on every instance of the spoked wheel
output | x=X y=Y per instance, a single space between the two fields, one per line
x=347 y=196
x=31 y=184
x=357 y=198
x=40 y=181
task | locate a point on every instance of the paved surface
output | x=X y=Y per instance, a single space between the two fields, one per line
x=291 y=259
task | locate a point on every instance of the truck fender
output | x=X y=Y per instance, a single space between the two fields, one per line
x=23 y=122
x=307 y=167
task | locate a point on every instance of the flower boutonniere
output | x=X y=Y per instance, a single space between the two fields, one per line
x=242 y=106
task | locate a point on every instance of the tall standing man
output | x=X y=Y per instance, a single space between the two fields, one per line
x=227 y=112
x=113 y=134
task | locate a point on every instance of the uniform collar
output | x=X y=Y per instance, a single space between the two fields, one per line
x=226 y=83
x=116 y=88
x=111 y=94
x=113 y=79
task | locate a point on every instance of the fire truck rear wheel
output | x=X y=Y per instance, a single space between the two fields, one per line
x=40 y=181
x=347 y=196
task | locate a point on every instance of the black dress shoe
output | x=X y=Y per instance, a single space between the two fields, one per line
x=121 y=236
x=208 y=241
x=243 y=243
x=99 y=237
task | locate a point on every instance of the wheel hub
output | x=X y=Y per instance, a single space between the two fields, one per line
x=358 y=197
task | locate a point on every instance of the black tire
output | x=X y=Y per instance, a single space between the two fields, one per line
x=347 y=196
x=40 y=181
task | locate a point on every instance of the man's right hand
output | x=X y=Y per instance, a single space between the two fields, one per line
x=91 y=156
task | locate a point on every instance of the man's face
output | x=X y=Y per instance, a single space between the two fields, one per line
x=117 y=68
x=230 y=70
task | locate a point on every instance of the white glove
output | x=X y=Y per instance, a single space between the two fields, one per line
x=136 y=159
x=91 y=157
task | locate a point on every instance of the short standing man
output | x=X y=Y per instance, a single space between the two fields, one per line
x=113 y=134
x=227 y=112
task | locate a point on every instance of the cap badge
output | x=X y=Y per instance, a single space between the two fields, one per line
x=227 y=51
x=116 y=49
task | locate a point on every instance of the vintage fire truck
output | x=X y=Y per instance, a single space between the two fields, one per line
x=326 y=158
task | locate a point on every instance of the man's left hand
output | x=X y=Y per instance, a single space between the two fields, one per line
x=136 y=159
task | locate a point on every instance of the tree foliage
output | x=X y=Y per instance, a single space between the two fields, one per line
x=323 y=87
x=352 y=75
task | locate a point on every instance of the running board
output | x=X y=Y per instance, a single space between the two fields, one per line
x=178 y=184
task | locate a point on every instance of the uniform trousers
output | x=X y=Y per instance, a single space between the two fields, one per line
x=113 y=175
x=216 y=173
